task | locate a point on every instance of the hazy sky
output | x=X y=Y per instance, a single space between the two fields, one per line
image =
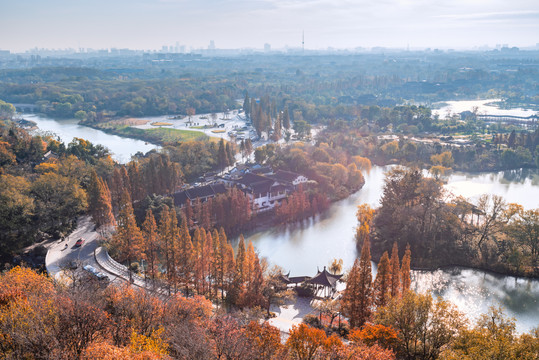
x=148 y=24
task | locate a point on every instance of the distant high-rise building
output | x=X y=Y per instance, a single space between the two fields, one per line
x=164 y=49
x=267 y=47
x=212 y=45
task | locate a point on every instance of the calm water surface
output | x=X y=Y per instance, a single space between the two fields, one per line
x=301 y=248
x=121 y=148
x=484 y=107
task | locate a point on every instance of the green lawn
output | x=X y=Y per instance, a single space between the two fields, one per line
x=173 y=135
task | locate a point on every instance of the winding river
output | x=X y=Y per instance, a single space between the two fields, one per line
x=302 y=248
x=66 y=129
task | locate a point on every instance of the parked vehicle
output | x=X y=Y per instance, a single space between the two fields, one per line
x=92 y=270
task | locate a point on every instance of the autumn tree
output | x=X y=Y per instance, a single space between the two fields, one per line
x=492 y=208
x=150 y=247
x=493 y=337
x=424 y=326
x=524 y=229
x=127 y=242
x=371 y=334
x=382 y=281
x=229 y=339
x=405 y=270
x=264 y=339
x=335 y=266
x=395 y=272
x=364 y=216
x=358 y=297
x=304 y=341
x=99 y=201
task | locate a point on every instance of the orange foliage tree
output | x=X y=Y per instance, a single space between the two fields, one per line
x=304 y=341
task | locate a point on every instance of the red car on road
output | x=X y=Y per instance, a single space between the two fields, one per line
x=79 y=243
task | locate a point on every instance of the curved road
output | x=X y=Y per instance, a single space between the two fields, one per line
x=60 y=257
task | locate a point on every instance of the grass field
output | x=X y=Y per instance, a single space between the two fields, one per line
x=161 y=123
x=173 y=135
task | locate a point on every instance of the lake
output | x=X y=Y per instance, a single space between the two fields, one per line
x=66 y=129
x=484 y=107
x=301 y=248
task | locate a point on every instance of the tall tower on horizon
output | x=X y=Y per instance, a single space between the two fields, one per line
x=303 y=41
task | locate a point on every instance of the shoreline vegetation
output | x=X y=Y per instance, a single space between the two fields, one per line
x=158 y=135
x=490 y=235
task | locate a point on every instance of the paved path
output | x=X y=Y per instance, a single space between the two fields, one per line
x=291 y=314
x=59 y=256
x=91 y=253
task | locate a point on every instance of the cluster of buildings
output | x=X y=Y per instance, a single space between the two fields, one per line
x=264 y=187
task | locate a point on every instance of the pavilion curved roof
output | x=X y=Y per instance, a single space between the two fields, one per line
x=325 y=278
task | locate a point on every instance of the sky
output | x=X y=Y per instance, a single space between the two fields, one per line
x=149 y=24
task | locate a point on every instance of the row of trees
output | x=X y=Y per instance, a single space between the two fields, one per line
x=202 y=262
x=231 y=210
x=299 y=206
x=41 y=320
x=265 y=116
x=362 y=296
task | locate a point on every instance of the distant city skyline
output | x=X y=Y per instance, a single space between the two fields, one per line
x=235 y=24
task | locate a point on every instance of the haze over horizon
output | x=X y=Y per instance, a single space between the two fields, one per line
x=149 y=24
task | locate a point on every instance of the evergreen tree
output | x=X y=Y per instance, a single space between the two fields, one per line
x=230 y=155
x=512 y=139
x=248 y=147
x=222 y=156
x=247 y=105
x=395 y=271
x=286 y=118
x=277 y=127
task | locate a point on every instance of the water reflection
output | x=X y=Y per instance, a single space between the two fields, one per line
x=474 y=291
x=516 y=186
x=301 y=248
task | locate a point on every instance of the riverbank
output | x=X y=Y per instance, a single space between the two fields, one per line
x=158 y=135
